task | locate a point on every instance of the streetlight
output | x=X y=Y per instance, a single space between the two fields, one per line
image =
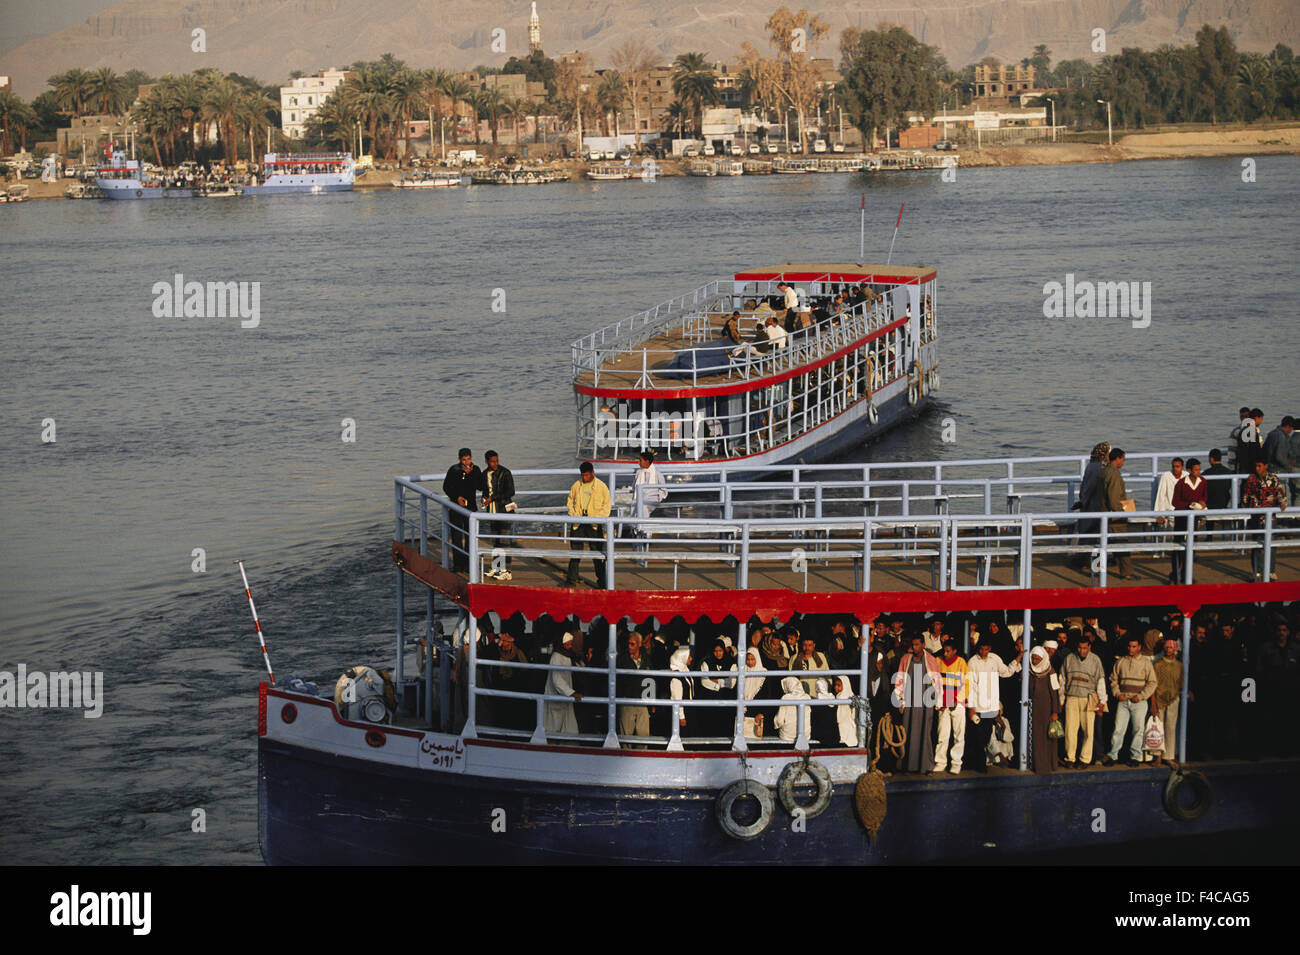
x=1110 y=140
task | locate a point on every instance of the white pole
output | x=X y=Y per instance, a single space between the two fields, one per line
x=256 y=623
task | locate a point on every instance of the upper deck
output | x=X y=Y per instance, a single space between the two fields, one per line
x=841 y=538
x=678 y=343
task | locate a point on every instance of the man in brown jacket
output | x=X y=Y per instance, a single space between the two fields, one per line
x=1132 y=683
x=1169 y=689
x=1114 y=495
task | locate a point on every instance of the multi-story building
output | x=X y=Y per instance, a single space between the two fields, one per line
x=303 y=96
x=1002 y=82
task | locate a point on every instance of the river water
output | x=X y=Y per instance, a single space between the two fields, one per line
x=179 y=433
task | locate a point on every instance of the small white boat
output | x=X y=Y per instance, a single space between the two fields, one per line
x=702 y=169
x=732 y=168
x=222 y=191
x=428 y=180
x=605 y=172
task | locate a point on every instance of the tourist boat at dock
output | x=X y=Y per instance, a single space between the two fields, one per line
x=311 y=173
x=702 y=168
x=667 y=379
x=282 y=173
x=120 y=178
x=458 y=755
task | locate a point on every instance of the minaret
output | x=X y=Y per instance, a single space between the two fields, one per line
x=534 y=31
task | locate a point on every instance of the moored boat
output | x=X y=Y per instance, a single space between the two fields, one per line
x=311 y=173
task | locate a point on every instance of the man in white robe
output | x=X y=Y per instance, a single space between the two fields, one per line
x=560 y=717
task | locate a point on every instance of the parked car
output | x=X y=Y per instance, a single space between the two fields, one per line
x=771 y=148
x=623 y=153
x=753 y=149
x=819 y=146
x=837 y=147
x=943 y=144
x=709 y=150
x=690 y=152
x=736 y=150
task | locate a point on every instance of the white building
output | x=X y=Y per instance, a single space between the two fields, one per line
x=303 y=96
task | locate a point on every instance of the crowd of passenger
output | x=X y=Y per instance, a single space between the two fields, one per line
x=1190 y=486
x=944 y=692
x=793 y=310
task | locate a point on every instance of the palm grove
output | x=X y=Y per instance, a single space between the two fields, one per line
x=886 y=76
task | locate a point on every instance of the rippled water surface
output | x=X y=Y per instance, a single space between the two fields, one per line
x=180 y=433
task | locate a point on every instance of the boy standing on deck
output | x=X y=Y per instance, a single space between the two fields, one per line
x=954 y=689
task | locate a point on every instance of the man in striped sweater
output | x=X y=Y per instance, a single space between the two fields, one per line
x=1081 y=676
x=1133 y=681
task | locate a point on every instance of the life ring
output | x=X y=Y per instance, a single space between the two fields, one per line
x=914 y=377
x=913 y=393
x=723 y=807
x=934 y=380
x=872 y=414
x=139 y=193
x=791 y=775
x=1200 y=787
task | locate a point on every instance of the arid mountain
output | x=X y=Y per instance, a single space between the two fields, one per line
x=269 y=38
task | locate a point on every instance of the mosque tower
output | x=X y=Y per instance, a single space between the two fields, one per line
x=534 y=31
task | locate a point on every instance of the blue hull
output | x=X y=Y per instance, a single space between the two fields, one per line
x=143 y=193
x=320 y=809
x=274 y=190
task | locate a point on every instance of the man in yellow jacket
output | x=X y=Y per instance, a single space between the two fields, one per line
x=589 y=497
x=954 y=695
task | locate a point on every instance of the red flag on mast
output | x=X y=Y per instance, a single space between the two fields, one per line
x=900 y=216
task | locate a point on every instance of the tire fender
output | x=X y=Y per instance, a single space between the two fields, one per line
x=790 y=777
x=727 y=799
x=1199 y=786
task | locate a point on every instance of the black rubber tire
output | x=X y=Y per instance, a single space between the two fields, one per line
x=790 y=777
x=727 y=799
x=1199 y=785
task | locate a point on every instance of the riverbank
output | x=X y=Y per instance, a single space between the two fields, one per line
x=1179 y=144
x=1191 y=144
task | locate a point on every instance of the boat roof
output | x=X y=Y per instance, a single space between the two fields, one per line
x=839 y=272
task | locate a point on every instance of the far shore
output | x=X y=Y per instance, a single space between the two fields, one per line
x=1282 y=139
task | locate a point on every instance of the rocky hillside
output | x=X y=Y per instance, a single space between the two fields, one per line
x=269 y=38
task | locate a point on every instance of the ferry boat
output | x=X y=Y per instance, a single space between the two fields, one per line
x=669 y=379
x=702 y=168
x=468 y=753
x=120 y=178
x=304 y=172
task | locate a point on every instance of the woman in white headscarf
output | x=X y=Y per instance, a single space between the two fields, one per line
x=754 y=664
x=844 y=718
x=787 y=717
x=681 y=688
x=1044 y=695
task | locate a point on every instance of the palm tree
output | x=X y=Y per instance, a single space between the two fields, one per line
x=695 y=85
x=611 y=95
x=458 y=91
x=221 y=104
x=255 y=113
x=15 y=117
x=72 y=89
x=109 y=92
x=491 y=101
x=678 y=113
x=517 y=109
x=408 y=91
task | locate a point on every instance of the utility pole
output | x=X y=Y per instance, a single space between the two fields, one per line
x=1110 y=139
